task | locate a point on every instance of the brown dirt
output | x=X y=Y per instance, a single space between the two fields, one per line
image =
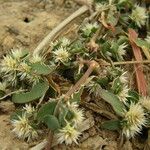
x=24 y=23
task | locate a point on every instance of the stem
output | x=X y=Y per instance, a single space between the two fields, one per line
x=56 y=30
x=103 y=63
x=49 y=140
x=14 y=92
x=131 y=62
x=83 y=79
x=93 y=65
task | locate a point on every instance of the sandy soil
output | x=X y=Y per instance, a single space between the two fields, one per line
x=23 y=24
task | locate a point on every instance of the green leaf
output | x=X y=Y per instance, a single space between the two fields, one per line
x=133 y=96
x=116 y=86
x=47 y=109
x=142 y=43
x=52 y=122
x=36 y=92
x=62 y=116
x=111 y=125
x=41 y=68
x=113 y=100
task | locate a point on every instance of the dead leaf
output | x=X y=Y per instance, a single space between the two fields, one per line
x=141 y=82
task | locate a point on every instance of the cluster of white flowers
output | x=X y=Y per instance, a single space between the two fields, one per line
x=88 y=27
x=70 y=132
x=61 y=55
x=23 y=129
x=101 y=7
x=121 y=50
x=123 y=94
x=139 y=15
x=13 y=66
x=22 y=126
x=94 y=88
x=134 y=120
x=145 y=102
x=29 y=109
x=16 y=54
x=8 y=64
x=63 y=42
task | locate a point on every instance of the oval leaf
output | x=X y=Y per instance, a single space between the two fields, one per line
x=111 y=125
x=45 y=110
x=41 y=69
x=36 y=92
x=113 y=101
x=52 y=122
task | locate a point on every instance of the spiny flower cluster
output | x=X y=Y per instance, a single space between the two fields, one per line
x=124 y=90
x=134 y=120
x=139 y=15
x=16 y=64
x=89 y=28
x=60 y=50
x=145 y=102
x=70 y=132
x=22 y=125
x=94 y=88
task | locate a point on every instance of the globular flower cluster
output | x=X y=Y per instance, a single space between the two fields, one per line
x=145 y=102
x=23 y=127
x=134 y=120
x=60 y=50
x=70 y=133
x=16 y=64
x=139 y=15
x=94 y=88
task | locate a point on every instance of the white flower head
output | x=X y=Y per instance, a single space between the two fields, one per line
x=36 y=58
x=94 y=88
x=101 y=7
x=8 y=64
x=87 y=29
x=139 y=15
x=123 y=94
x=65 y=42
x=24 y=69
x=135 y=120
x=145 y=102
x=61 y=55
x=16 y=53
x=121 y=50
x=123 y=78
x=23 y=129
x=72 y=105
x=68 y=134
x=3 y=86
x=78 y=116
x=29 y=109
